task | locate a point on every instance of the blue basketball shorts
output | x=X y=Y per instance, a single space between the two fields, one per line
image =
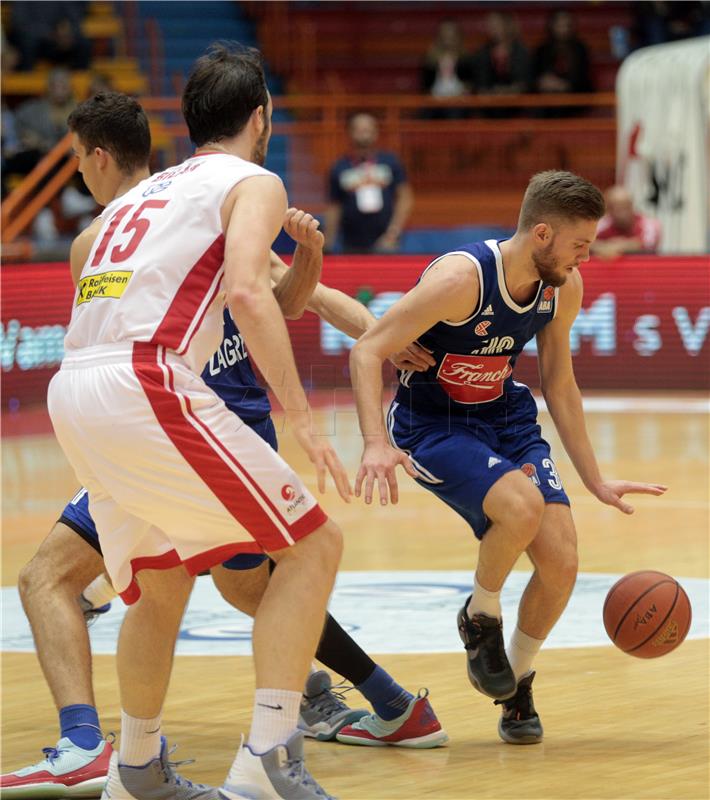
x=459 y=461
x=77 y=517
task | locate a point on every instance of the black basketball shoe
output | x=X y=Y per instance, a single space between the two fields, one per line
x=519 y=723
x=488 y=667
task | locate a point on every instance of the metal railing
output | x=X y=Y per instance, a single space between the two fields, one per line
x=472 y=152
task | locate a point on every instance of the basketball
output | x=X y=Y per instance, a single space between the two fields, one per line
x=647 y=614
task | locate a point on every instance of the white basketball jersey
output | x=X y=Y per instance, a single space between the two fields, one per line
x=155 y=271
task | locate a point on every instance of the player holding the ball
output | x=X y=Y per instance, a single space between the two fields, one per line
x=468 y=432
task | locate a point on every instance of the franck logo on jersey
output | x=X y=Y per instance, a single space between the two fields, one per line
x=482 y=328
x=473 y=379
x=388 y=612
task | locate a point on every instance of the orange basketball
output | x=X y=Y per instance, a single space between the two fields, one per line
x=647 y=614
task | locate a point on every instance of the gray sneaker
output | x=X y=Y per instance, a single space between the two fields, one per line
x=519 y=723
x=323 y=710
x=153 y=781
x=281 y=772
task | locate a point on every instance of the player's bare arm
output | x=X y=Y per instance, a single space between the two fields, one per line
x=352 y=317
x=255 y=210
x=564 y=402
x=293 y=287
x=297 y=289
x=81 y=247
x=448 y=291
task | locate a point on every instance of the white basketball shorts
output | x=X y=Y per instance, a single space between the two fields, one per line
x=173 y=475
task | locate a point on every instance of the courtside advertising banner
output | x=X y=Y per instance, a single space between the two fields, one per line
x=644 y=324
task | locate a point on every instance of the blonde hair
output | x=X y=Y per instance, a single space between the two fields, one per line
x=561 y=195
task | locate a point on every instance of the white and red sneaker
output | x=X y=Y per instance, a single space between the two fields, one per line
x=66 y=771
x=416 y=727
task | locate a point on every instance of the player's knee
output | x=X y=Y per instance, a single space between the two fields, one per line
x=38 y=578
x=558 y=562
x=167 y=591
x=523 y=510
x=26 y=582
x=323 y=547
x=330 y=543
x=565 y=566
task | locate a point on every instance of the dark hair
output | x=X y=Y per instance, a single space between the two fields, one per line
x=117 y=124
x=555 y=194
x=224 y=88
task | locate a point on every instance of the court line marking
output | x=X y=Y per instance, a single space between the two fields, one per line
x=605 y=404
x=407 y=611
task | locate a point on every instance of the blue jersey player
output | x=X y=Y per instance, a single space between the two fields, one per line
x=468 y=432
x=70 y=558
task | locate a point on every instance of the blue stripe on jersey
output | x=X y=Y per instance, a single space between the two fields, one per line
x=475 y=357
x=230 y=375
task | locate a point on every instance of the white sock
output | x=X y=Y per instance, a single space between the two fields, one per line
x=484 y=602
x=521 y=652
x=275 y=718
x=140 y=740
x=99 y=591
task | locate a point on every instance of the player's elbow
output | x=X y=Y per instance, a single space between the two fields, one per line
x=245 y=300
x=291 y=312
x=365 y=350
x=291 y=308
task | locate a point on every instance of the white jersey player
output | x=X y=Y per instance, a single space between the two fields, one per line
x=176 y=480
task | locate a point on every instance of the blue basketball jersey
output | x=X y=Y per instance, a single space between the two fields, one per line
x=230 y=374
x=475 y=357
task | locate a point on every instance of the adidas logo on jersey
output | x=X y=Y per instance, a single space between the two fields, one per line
x=492 y=461
x=487 y=311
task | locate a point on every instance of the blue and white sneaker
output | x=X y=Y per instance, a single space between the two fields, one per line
x=153 y=781
x=323 y=711
x=66 y=771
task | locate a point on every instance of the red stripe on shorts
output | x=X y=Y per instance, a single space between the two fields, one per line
x=165 y=561
x=189 y=297
x=199 y=450
x=298 y=529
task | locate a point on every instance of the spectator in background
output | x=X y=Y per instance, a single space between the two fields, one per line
x=369 y=198
x=10 y=144
x=67 y=46
x=446 y=71
x=41 y=122
x=561 y=62
x=9 y=57
x=659 y=22
x=33 y=28
x=622 y=229
x=502 y=65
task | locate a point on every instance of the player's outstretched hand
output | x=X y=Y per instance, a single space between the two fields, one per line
x=378 y=465
x=303 y=228
x=414 y=357
x=325 y=460
x=611 y=492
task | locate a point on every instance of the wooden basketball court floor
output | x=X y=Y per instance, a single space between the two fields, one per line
x=615 y=726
